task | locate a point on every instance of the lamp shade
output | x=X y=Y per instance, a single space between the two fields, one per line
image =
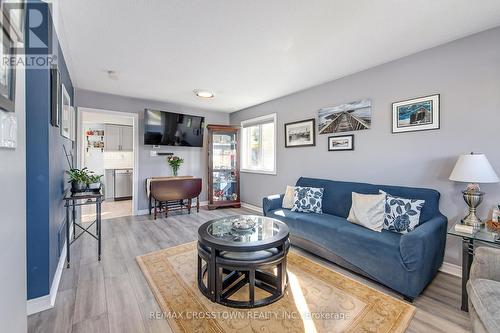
x=473 y=168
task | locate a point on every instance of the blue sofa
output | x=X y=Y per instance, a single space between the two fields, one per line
x=405 y=263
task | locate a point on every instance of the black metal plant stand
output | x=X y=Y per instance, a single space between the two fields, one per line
x=82 y=199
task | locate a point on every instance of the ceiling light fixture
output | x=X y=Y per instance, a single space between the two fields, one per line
x=113 y=75
x=203 y=93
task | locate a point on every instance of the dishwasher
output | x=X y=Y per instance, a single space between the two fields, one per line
x=123 y=184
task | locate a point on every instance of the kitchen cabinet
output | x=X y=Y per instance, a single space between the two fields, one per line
x=127 y=138
x=109 y=184
x=118 y=138
x=112 y=137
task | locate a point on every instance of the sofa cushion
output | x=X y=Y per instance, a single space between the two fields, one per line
x=337 y=195
x=307 y=200
x=311 y=226
x=288 y=199
x=485 y=297
x=401 y=215
x=367 y=210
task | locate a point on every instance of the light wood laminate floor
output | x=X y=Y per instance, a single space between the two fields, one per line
x=113 y=296
x=109 y=209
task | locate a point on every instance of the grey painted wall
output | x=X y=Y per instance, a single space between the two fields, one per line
x=195 y=159
x=465 y=72
x=13 y=234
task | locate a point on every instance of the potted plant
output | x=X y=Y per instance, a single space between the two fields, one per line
x=78 y=179
x=94 y=181
x=175 y=163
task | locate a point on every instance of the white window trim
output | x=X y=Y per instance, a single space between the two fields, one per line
x=274 y=117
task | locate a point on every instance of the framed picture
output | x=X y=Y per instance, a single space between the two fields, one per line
x=7 y=74
x=419 y=114
x=55 y=98
x=72 y=131
x=65 y=113
x=341 y=142
x=300 y=133
x=348 y=117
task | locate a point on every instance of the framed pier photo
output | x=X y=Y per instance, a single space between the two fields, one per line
x=347 y=117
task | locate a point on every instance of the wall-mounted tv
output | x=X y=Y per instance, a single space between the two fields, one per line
x=163 y=128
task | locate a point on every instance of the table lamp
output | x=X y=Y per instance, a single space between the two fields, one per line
x=473 y=169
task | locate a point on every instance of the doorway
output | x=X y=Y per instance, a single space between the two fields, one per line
x=107 y=146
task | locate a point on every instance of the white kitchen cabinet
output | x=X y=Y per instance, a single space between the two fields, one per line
x=109 y=184
x=112 y=137
x=127 y=137
x=118 y=138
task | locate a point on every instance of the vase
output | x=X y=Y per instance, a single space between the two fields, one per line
x=175 y=170
x=78 y=187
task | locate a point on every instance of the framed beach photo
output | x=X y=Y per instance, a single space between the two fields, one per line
x=300 y=133
x=418 y=114
x=341 y=142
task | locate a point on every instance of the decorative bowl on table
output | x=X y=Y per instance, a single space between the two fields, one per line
x=243 y=224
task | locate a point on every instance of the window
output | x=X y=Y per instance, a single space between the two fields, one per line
x=258 y=144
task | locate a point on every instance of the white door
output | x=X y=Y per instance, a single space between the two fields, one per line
x=112 y=137
x=127 y=142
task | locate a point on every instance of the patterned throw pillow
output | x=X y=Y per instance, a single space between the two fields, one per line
x=401 y=215
x=308 y=200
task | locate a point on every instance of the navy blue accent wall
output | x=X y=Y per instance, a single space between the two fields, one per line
x=45 y=169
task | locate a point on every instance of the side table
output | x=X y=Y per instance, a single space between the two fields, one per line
x=469 y=242
x=72 y=201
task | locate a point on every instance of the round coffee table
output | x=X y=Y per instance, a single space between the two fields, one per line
x=242 y=250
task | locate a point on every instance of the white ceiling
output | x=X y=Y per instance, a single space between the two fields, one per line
x=248 y=52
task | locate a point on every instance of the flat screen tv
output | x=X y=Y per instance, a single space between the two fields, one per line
x=163 y=128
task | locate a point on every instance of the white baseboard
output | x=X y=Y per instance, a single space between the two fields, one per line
x=46 y=302
x=142 y=212
x=39 y=304
x=251 y=207
x=146 y=212
x=451 y=269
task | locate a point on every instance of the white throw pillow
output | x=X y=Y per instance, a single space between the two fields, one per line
x=367 y=210
x=288 y=199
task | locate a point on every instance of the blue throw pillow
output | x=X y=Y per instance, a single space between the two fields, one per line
x=401 y=215
x=308 y=200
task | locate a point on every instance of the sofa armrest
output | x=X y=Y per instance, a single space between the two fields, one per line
x=425 y=245
x=486 y=264
x=272 y=202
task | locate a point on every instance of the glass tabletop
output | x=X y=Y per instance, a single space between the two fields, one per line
x=482 y=234
x=244 y=228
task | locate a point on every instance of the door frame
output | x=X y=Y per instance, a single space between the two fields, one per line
x=80 y=142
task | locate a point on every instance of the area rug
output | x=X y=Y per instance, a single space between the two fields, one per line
x=316 y=300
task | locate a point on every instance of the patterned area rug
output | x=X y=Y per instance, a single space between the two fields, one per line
x=317 y=299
